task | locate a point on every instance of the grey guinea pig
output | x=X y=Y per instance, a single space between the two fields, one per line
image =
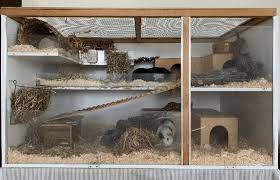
x=166 y=131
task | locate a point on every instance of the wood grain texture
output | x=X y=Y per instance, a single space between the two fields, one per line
x=143 y=12
x=167 y=63
x=185 y=42
x=137 y=21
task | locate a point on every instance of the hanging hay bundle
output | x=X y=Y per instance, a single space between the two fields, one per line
x=135 y=139
x=28 y=103
x=118 y=65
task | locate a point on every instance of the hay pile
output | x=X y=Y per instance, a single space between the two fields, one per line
x=33 y=30
x=28 y=103
x=135 y=139
x=67 y=75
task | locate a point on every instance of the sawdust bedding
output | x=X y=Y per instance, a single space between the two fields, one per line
x=245 y=155
x=89 y=153
x=100 y=83
x=94 y=153
x=257 y=83
x=30 y=48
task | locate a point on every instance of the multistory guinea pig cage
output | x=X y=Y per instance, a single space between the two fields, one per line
x=112 y=87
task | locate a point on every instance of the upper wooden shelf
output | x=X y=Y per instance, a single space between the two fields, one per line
x=134 y=12
x=45 y=57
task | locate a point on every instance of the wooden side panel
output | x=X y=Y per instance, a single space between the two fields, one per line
x=185 y=83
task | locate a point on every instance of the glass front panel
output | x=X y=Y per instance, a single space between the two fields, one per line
x=77 y=94
x=231 y=79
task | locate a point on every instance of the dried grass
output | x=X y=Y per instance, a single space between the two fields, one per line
x=28 y=103
x=135 y=139
x=65 y=76
x=118 y=65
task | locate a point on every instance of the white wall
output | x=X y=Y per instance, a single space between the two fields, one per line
x=260 y=43
x=255 y=115
x=206 y=100
x=24 y=72
x=164 y=50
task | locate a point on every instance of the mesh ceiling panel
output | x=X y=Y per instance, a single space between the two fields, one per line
x=93 y=27
x=214 y=27
x=99 y=27
x=201 y=27
x=161 y=27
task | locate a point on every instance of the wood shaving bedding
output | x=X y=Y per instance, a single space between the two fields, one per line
x=90 y=154
x=257 y=83
x=29 y=48
x=97 y=83
x=86 y=153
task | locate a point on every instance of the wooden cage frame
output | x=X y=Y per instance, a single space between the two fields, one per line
x=258 y=15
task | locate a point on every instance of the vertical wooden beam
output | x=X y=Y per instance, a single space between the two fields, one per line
x=138 y=28
x=185 y=87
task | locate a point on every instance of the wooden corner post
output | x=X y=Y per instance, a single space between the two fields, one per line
x=185 y=93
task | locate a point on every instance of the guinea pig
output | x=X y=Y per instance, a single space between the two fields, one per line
x=166 y=132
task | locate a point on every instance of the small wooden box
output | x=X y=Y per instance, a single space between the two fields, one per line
x=209 y=63
x=207 y=119
x=201 y=65
x=62 y=131
x=222 y=47
x=167 y=63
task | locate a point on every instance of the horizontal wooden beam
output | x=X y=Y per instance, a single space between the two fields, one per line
x=132 y=12
x=243 y=27
x=140 y=40
x=18 y=19
x=204 y=40
x=154 y=40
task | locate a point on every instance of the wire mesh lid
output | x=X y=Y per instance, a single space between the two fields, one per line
x=110 y=27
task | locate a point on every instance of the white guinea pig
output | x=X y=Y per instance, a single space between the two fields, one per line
x=166 y=131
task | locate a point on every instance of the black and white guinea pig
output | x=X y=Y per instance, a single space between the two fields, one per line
x=166 y=131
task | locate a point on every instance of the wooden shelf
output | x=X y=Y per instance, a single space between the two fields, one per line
x=53 y=57
x=45 y=57
x=104 y=88
x=225 y=89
